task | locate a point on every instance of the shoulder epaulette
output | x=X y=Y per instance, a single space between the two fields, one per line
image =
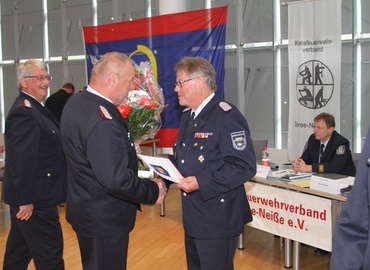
x=27 y=103
x=104 y=112
x=224 y=106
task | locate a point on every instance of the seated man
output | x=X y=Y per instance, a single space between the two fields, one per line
x=327 y=152
x=335 y=156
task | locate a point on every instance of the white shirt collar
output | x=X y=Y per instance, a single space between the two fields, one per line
x=202 y=105
x=28 y=94
x=325 y=143
x=92 y=91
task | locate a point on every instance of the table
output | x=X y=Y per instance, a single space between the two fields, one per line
x=153 y=143
x=292 y=248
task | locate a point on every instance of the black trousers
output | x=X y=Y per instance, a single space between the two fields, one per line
x=39 y=238
x=215 y=254
x=103 y=254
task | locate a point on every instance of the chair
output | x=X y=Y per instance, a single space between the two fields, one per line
x=305 y=147
x=356 y=158
x=258 y=146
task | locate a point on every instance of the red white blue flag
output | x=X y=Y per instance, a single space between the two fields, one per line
x=164 y=40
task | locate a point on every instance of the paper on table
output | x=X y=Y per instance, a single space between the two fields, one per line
x=163 y=167
x=305 y=183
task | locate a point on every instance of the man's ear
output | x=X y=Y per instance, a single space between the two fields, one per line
x=331 y=130
x=112 y=79
x=22 y=82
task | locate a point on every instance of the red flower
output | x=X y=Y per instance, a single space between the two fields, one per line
x=124 y=109
x=147 y=102
x=143 y=105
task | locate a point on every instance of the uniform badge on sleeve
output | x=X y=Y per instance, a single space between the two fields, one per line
x=104 y=112
x=239 y=140
x=27 y=103
x=341 y=150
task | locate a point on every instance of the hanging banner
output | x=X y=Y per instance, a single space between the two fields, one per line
x=314 y=67
x=164 y=40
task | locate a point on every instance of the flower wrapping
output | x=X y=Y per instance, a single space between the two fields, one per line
x=143 y=105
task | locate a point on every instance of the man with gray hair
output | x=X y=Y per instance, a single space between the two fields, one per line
x=214 y=152
x=104 y=190
x=35 y=177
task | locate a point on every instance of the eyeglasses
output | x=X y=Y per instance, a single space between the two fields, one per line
x=40 y=77
x=181 y=83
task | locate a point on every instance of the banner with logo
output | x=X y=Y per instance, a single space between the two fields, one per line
x=289 y=214
x=164 y=40
x=314 y=67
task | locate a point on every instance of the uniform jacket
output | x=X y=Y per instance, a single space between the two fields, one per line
x=218 y=151
x=351 y=245
x=35 y=168
x=104 y=191
x=55 y=103
x=337 y=157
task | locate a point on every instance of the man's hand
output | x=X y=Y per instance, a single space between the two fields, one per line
x=25 y=212
x=162 y=189
x=300 y=166
x=188 y=184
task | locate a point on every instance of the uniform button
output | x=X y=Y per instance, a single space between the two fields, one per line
x=184 y=194
x=53 y=131
x=222 y=200
x=182 y=161
x=48 y=174
x=132 y=144
x=183 y=144
x=201 y=148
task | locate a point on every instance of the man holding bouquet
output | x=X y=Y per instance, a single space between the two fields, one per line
x=104 y=191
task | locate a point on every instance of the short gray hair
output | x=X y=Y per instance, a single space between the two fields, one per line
x=110 y=62
x=198 y=66
x=25 y=69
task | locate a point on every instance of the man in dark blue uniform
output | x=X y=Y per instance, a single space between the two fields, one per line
x=327 y=151
x=35 y=177
x=351 y=245
x=104 y=191
x=214 y=152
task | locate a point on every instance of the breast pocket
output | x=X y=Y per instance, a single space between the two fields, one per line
x=207 y=152
x=50 y=137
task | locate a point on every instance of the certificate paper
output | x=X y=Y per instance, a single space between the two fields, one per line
x=163 y=167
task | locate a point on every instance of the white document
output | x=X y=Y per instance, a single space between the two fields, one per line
x=163 y=167
x=280 y=173
x=330 y=183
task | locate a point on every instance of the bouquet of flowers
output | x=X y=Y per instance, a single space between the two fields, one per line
x=143 y=105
